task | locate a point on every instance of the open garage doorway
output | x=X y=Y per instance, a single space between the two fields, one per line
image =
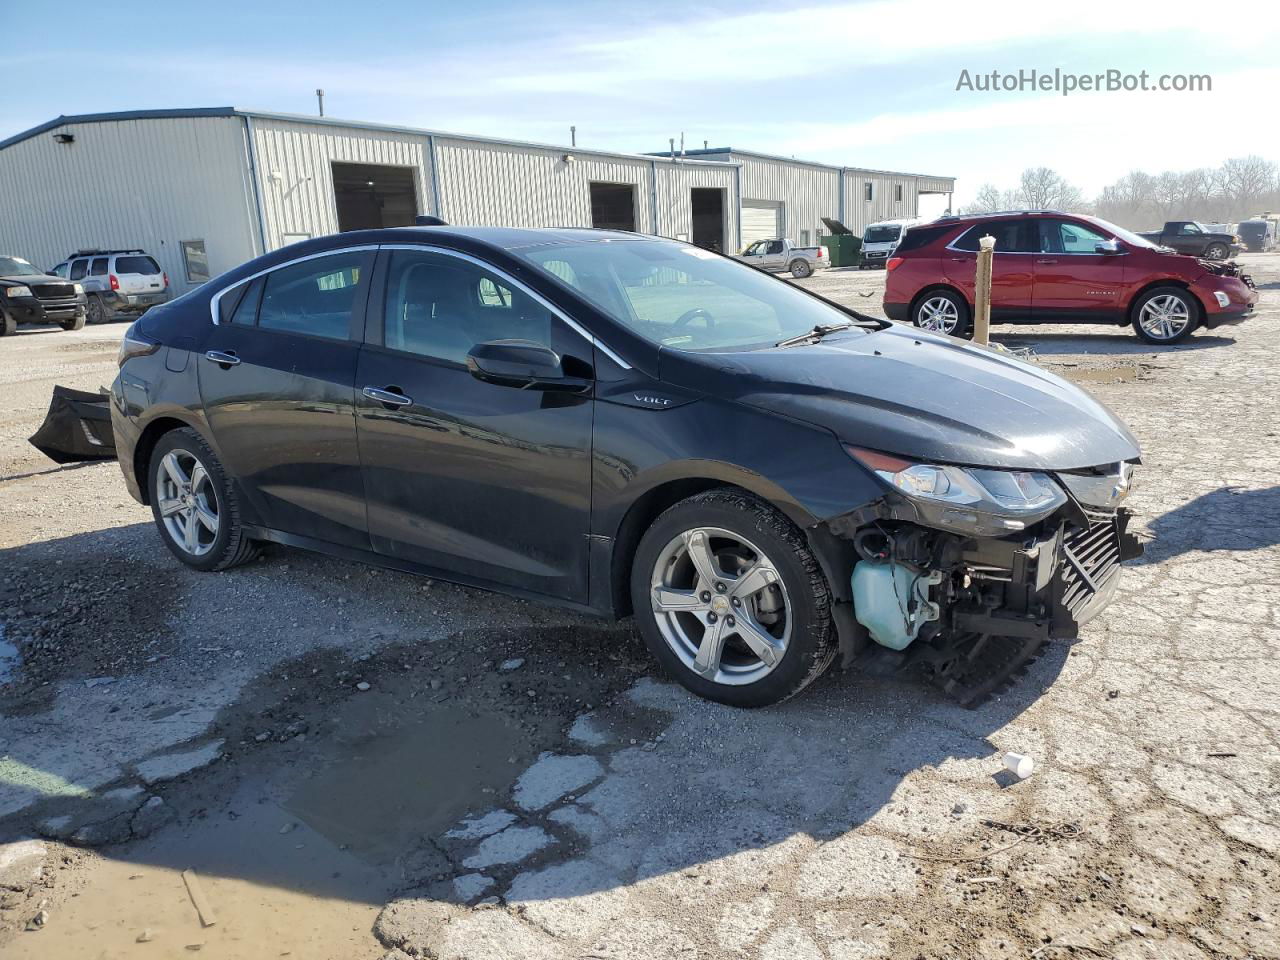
x=708 y=217
x=613 y=206
x=370 y=195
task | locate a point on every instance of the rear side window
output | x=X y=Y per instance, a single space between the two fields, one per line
x=240 y=306
x=142 y=265
x=99 y=267
x=919 y=237
x=78 y=269
x=1012 y=236
x=315 y=297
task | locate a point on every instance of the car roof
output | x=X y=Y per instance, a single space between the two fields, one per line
x=505 y=238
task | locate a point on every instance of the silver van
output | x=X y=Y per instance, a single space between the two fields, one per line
x=116 y=282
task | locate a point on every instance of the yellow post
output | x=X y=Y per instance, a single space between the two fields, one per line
x=982 y=291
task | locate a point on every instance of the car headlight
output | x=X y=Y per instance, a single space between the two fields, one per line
x=1222 y=298
x=973 y=500
x=17 y=291
x=79 y=289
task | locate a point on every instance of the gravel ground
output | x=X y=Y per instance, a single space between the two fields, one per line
x=336 y=725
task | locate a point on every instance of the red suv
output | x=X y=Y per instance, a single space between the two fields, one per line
x=1052 y=266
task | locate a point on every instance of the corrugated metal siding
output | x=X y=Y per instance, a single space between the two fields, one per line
x=675 y=209
x=807 y=192
x=148 y=183
x=302 y=200
x=486 y=184
x=859 y=213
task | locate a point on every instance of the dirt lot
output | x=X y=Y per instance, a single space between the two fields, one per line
x=356 y=762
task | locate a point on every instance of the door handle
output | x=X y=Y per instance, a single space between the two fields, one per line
x=390 y=398
x=225 y=360
x=1046 y=261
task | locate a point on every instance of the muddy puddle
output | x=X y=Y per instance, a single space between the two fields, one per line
x=327 y=803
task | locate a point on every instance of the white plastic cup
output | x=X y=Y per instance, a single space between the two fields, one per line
x=1019 y=764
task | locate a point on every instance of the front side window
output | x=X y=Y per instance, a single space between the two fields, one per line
x=1063 y=236
x=683 y=297
x=78 y=269
x=1191 y=230
x=60 y=271
x=315 y=297
x=757 y=249
x=440 y=306
x=99 y=267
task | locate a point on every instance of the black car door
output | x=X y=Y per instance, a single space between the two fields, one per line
x=488 y=481
x=277 y=380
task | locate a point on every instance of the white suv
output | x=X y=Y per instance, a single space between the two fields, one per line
x=116 y=282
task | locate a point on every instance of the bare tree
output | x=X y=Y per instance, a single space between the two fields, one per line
x=1044 y=189
x=989 y=199
x=1244 y=182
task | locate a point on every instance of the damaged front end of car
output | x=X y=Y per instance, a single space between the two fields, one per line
x=968 y=572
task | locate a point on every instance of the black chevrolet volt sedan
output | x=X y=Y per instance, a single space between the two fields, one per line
x=632 y=426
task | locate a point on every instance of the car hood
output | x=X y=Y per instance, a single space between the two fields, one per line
x=26 y=278
x=921 y=396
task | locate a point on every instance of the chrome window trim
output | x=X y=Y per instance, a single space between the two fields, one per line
x=523 y=287
x=216 y=299
x=1034 y=253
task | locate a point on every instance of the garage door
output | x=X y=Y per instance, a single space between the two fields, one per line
x=761 y=219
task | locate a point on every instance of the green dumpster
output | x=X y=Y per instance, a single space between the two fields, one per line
x=845 y=249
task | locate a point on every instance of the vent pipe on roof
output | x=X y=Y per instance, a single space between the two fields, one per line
x=320 y=98
x=682 y=143
x=706 y=144
x=573 y=136
x=671 y=142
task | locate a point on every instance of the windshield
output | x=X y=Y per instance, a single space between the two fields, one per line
x=1120 y=233
x=882 y=234
x=16 y=267
x=677 y=295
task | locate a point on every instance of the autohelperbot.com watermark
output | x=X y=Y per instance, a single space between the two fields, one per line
x=1067 y=82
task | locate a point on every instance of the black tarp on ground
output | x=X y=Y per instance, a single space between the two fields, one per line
x=77 y=427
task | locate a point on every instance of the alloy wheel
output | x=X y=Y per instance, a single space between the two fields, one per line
x=721 y=606
x=1164 y=317
x=938 y=314
x=187 y=503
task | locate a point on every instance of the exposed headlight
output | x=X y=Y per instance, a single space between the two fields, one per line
x=972 y=500
x=1222 y=298
x=79 y=289
x=17 y=291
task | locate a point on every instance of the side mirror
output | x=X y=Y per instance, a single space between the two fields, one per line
x=1107 y=246
x=523 y=364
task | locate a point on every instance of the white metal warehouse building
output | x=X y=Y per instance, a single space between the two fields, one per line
x=203 y=190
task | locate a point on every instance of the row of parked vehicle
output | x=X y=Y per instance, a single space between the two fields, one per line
x=89 y=285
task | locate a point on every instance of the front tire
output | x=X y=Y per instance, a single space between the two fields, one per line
x=75 y=323
x=800 y=269
x=8 y=325
x=1165 y=315
x=731 y=601
x=195 y=505
x=1216 y=251
x=942 y=311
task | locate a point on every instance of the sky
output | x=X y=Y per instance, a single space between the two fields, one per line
x=869 y=84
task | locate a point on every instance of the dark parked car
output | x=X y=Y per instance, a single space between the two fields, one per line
x=29 y=295
x=625 y=424
x=1051 y=267
x=1195 y=240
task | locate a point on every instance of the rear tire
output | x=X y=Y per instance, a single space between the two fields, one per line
x=747 y=611
x=942 y=311
x=97 y=311
x=76 y=323
x=1165 y=315
x=800 y=269
x=195 y=504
